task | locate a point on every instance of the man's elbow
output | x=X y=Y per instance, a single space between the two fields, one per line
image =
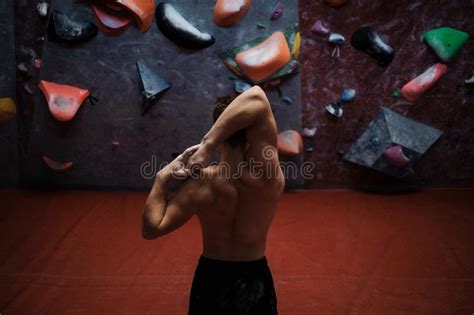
x=149 y=232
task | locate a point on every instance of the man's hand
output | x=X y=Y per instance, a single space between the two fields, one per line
x=201 y=158
x=177 y=168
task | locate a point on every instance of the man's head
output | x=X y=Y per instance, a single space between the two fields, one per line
x=238 y=139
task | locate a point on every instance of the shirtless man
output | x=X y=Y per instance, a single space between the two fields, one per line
x=235 y=201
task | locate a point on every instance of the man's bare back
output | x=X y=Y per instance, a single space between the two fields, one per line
x=235 y=201
x=235 y=225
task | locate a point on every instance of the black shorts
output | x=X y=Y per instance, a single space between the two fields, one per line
x=232 y=287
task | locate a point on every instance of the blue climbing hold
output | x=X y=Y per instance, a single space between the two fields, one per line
x=375 y=141
x=287 y=100
x=241 y=86
x=348 y=95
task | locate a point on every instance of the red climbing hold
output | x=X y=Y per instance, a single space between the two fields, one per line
x=419 y=85
x=290 y=143
x=56 y=165
x=63 y=100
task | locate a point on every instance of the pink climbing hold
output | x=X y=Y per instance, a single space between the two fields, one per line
x=277 y=12
x=395 y=156
x=320 y=28
x=422 y=83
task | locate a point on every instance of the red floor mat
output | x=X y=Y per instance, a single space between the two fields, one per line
x=331 y=252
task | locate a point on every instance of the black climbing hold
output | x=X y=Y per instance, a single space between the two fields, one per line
x=335 y=109
x=367 y=40
x=152 y=85
x=63 y=28
x=177 y=29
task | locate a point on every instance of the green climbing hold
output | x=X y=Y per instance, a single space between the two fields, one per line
x=395 y=93
x=446 y=42
x=261 y=25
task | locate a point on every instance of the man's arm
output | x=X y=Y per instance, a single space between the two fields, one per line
x=161 y=216
x=251 y=111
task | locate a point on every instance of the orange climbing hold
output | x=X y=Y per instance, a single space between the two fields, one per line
x=229 y=12
x=419 y=85
x=142 y=11
x=111 y=25
x=264 y=59
x=63 y=100
x=290 y=143
x=56 y=165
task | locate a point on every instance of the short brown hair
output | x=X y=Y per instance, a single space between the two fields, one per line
x=221 y=103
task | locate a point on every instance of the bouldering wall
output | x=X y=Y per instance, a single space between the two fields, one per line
x=448 y=106
x=110 y=142
x=9 y=169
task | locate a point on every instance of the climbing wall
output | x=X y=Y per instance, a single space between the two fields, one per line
x=110 y=142
x=448 y=106
x=8 y=130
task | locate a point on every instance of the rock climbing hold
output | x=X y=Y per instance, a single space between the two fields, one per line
x=63 y=100
x=308 y=148
x=42 y=8
x=446 y=42
x=296 y=46
x=7 y=109
x=287 y=100
x=336 y=3
x=229 y=12
x=241 y=86
x=23 y=70
x=320 y=28
x=392 y=129
x=367 y=40
x=309 y=132
x=274 y=49
x=395 y=93
x=28 y=88
x=294 y=66
x=336 y=39
x=261 y=25
x=261 y=61
x=348 y=95
x=277 y=11
x=335 y=109
x=115 y=143
x=152 y=85
x=177 y=29
x=469 y=82
x=375 y=141
x=289 y=143
x=111 y=24
x=419 y=85
x=274 y=83
x=63 y=28
x=37 y=63
x=395 y=156
x=142 y=11
x=56 y=165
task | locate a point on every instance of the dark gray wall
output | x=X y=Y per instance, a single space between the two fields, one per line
x=106 y=66
x=8 y=131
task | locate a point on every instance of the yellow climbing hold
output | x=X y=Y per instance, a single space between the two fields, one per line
x=7 y=109
x=296 y=46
